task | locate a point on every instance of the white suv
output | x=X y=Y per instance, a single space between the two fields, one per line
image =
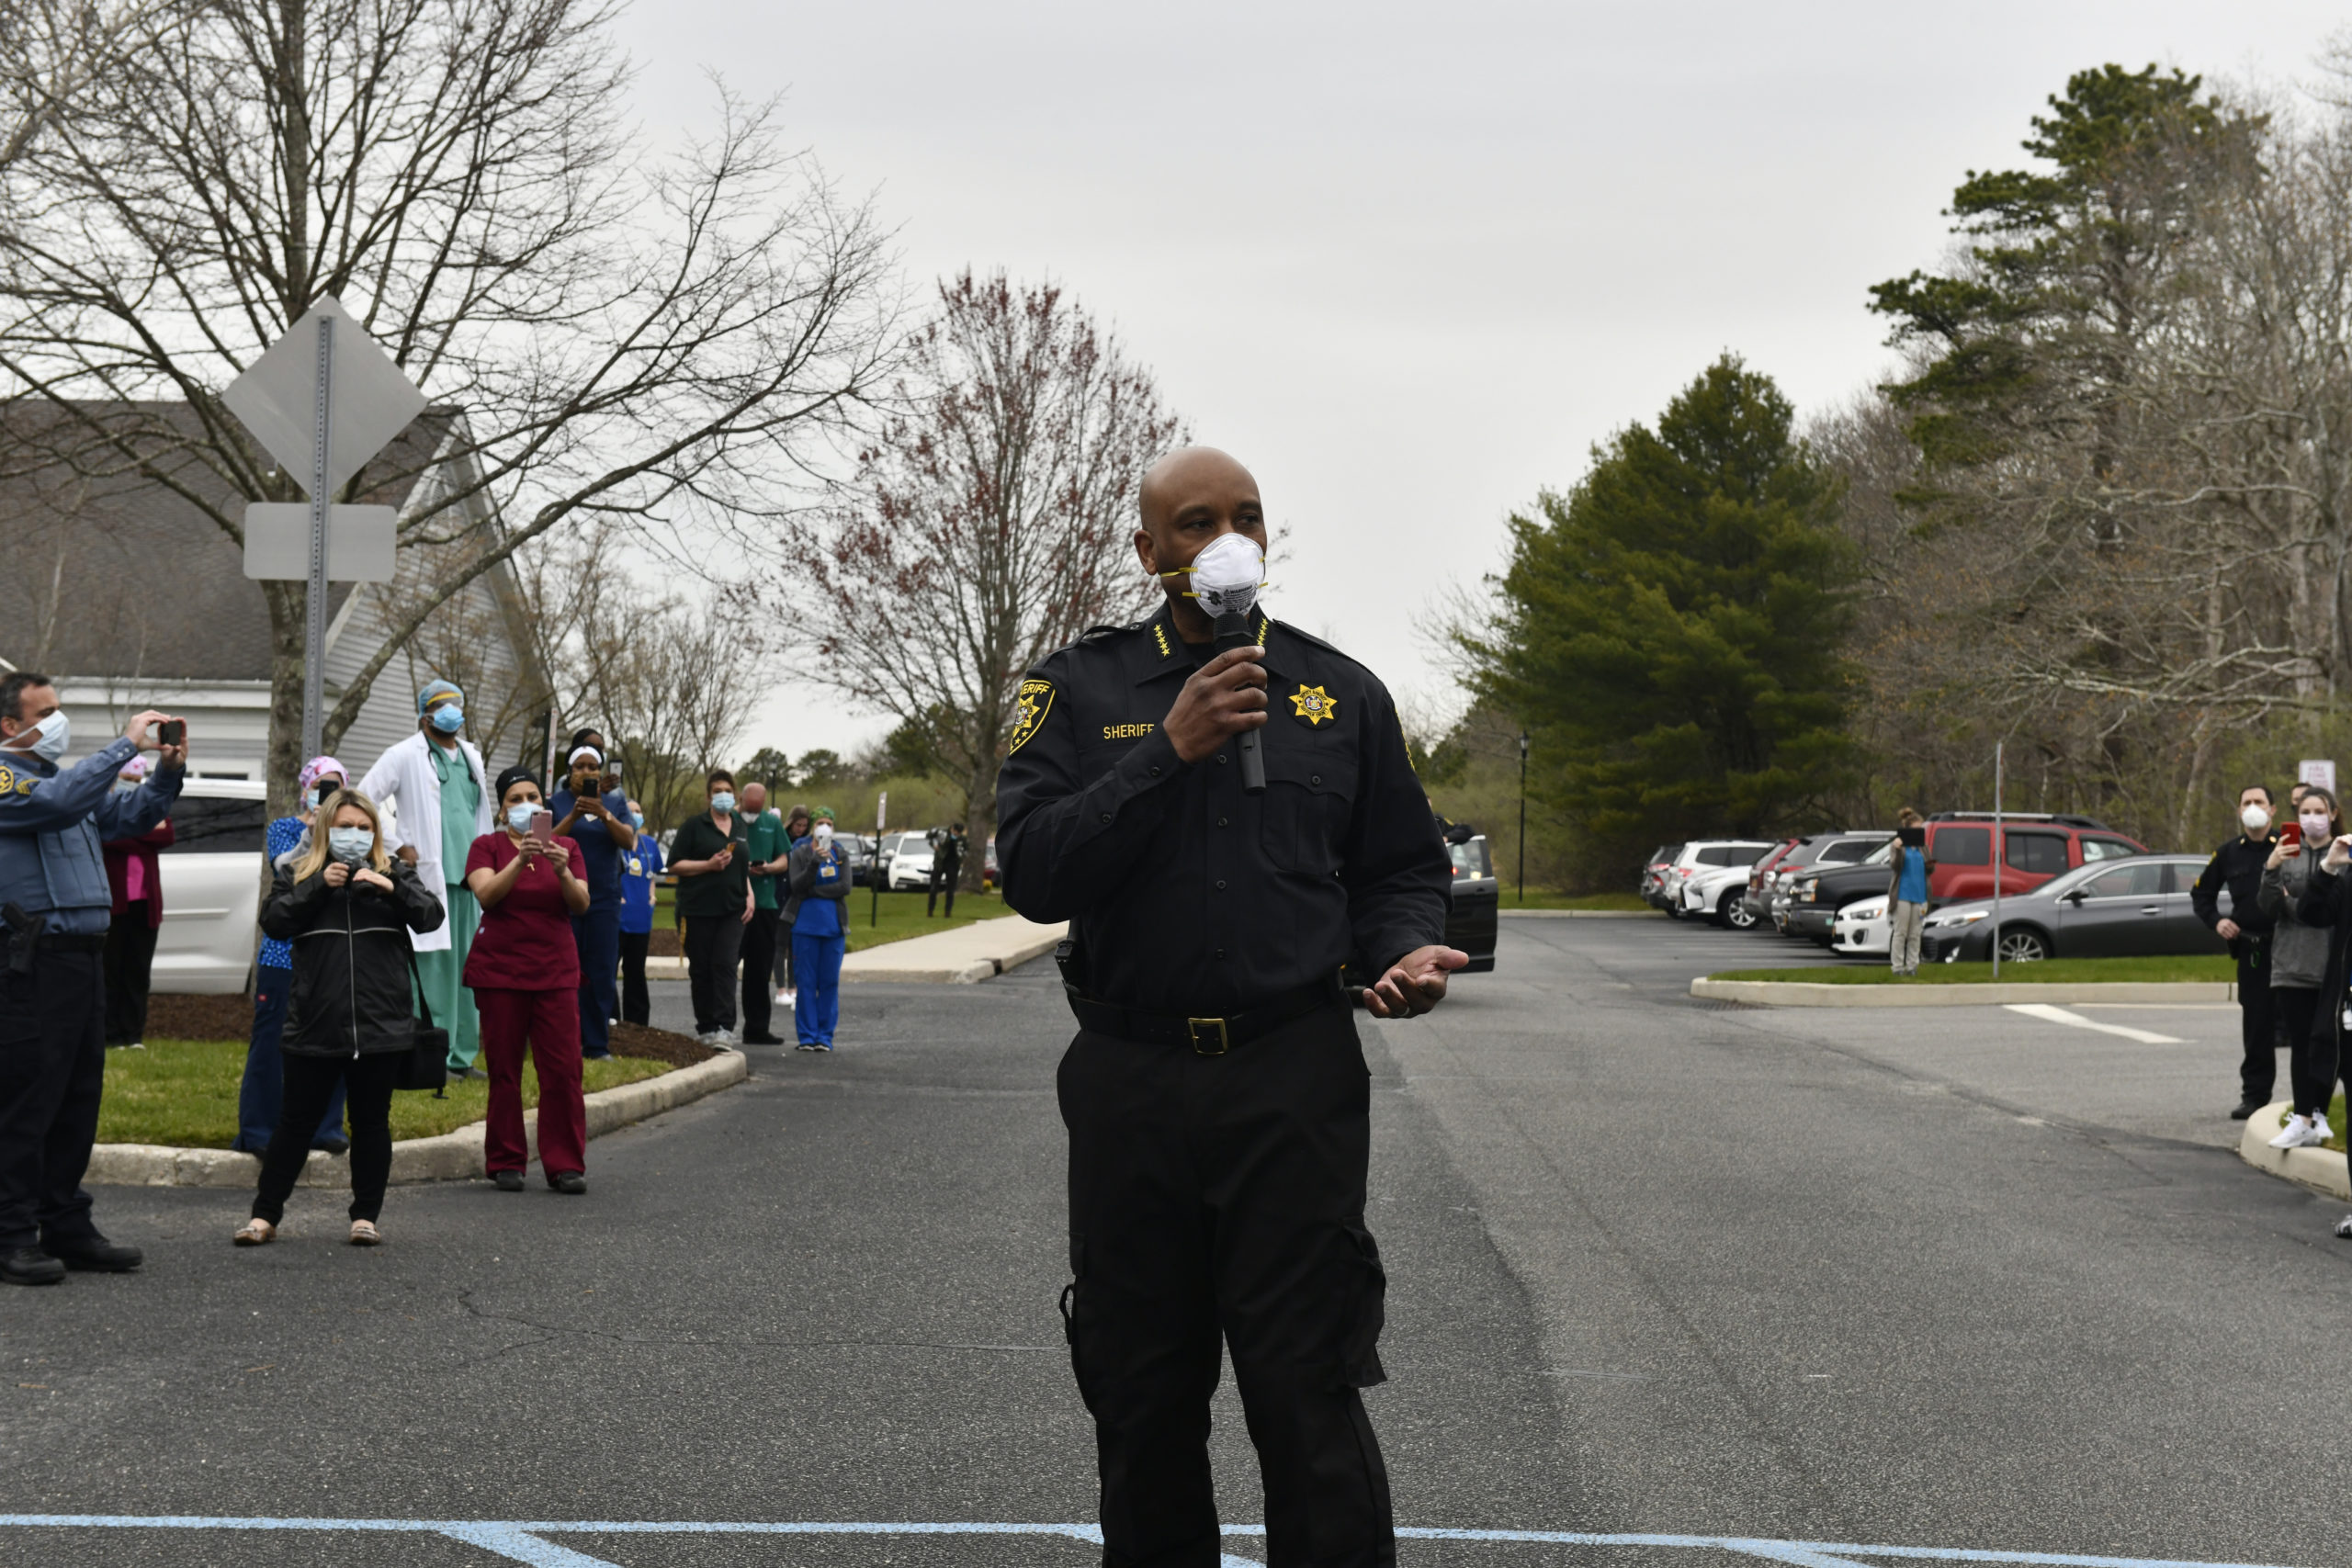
x=1710 y=874
x=211 y=883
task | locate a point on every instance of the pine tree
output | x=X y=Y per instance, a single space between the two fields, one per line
x=1669 y=630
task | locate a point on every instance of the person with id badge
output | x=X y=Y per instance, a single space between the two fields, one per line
x=819 y=880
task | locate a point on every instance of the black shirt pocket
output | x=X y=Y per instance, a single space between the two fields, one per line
x=1311 y=799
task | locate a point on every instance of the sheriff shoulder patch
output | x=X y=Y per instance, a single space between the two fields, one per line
x=1036 y=700
x=7 y=779
x=1313 y=705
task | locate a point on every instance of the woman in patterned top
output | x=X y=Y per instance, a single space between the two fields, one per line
x=259 y=1095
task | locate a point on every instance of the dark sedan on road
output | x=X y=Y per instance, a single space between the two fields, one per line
x=1471 y=920
x=2106 y=910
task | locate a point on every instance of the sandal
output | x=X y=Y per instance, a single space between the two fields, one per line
x=365 y=1234
x=255 y=1233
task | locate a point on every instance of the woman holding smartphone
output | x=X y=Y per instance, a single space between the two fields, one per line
x=344 y=908
x=2299 y=963
x=524 y=973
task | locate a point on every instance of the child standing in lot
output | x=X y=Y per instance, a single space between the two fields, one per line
x=1907 y=892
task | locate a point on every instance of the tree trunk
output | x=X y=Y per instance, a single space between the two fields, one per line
x=979 y=822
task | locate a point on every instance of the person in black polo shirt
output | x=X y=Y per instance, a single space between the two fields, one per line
x=712 y=862
x=2237 y=865
x=1215 y=1095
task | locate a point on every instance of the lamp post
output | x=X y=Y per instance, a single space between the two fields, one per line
x=1523 y=818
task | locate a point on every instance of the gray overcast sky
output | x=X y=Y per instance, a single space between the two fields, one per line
x=1410 y=263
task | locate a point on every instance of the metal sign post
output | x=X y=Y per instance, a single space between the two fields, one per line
x=314 y=634
x=881 y=819
x=323 y=415
x=2000 y=850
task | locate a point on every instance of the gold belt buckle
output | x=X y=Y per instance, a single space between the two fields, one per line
x=1200 y=1041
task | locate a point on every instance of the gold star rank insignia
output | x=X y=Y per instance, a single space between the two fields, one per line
x=1029 y=711
x=1314 y=705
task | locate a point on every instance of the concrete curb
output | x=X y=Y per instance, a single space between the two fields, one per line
x=2322 y=1170
x=454 y=1155
x=1584 y=914
x=1928 y=994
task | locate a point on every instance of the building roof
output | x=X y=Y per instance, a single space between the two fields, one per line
x=115 y=573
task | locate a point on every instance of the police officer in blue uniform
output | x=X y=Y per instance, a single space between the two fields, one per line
x=1216 y=1094
x=55 y=894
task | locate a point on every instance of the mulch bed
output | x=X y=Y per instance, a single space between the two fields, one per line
x=232 y=1017
x=662 y=942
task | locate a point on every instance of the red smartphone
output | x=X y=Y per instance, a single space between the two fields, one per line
x=2292 y=835
x=543 y=824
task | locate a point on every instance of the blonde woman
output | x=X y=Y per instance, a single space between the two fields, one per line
x=347 y=909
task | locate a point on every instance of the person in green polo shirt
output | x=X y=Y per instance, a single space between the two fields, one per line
x=712 y=862
x=771 y=854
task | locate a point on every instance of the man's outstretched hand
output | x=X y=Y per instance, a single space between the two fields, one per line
x=1414 y=984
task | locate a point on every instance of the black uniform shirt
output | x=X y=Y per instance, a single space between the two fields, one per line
x=2236 y=865
x=1186 y=895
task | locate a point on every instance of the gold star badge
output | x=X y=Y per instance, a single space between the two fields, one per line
x=1029 y=711
x=1314 y=705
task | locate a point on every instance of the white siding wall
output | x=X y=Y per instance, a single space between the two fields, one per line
x=228 y=721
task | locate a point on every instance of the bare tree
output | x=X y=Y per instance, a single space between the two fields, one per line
x=991 y=524
x=53 y=51
x=624 y=337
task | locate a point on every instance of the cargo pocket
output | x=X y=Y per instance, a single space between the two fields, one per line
x=1074 y=1313
x=1359 y=1353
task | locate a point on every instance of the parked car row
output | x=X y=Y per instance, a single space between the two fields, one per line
x=2071 y=886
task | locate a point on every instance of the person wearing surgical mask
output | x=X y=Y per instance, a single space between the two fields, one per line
x=640 y=873
x=711 y=855
x=820 y=883
x=348 y=909
x=524 y=971
x=2236 y=870
x=2298 y=961
x=438 y=791
x=53 y=1069
x=138 y=913
x=262 y=1092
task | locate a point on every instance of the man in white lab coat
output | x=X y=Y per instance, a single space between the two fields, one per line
x=441 y=794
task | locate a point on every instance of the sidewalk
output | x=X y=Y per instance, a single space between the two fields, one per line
x=980 y=951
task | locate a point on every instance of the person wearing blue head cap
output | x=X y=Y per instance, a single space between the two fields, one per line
x=437 y=786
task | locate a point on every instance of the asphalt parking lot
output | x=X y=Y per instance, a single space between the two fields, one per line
x=1670 y=1283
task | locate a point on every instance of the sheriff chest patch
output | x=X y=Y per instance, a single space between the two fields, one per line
x=1029 y=711
x=1311 y=705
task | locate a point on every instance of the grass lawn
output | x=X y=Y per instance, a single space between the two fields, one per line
x=1538 y=899
x=183 y=1093
x=2049 y=971
x=901 y=916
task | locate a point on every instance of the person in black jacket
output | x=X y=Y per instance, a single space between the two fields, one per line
x=348 y=908
x=2237 y=867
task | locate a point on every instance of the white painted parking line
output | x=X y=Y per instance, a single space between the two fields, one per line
x=521 y=1540
x=2049 y=1014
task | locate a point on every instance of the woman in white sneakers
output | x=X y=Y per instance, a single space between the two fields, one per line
x=2299 y=953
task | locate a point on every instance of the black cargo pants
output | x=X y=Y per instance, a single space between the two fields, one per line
x=1222 y=1197
x=52 y=1070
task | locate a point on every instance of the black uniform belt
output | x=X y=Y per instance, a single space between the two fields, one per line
x=59 y=941
x=1209 y=1036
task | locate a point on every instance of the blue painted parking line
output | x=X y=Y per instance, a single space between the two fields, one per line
x=523 y=1540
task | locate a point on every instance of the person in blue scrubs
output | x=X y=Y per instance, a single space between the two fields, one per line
x=640 y=872
x=819 y=879
x=601 y=825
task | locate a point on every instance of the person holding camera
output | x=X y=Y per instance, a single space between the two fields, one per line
x=591 y=810
x=2299 y=954
x=1907 y=891
x=262 y=1092
x=524 y=973
x=946 y=867
x=348 y=908
x=57 y=903
x=819 y=879
x=710 y=856
x=640 y=874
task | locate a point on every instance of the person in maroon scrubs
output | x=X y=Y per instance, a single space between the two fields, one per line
x=524 y=973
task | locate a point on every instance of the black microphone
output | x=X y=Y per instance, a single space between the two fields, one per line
x=1233 y=631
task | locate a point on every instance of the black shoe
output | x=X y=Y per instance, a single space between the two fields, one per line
x=763 y=1039
x=95 y=1255
x=459 y=1075
x=30 y=1266
x=2245 y=1109
x=508 y=1180
x=595 y=1055
x=333 y=1146
x=569 y=1181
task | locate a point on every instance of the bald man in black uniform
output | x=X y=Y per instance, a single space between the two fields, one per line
x=1215 y=1095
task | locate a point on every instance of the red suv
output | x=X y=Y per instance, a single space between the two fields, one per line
x=2035 y=849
